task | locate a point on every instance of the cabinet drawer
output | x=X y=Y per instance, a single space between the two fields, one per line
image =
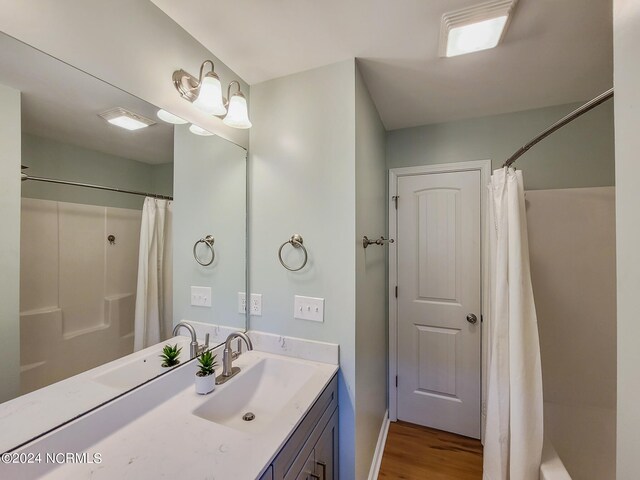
x=291 y=459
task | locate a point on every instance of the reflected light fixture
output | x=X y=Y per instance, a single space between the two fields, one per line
x=205 y=92
x=123 y=118
x=170 y=117
x=199 y=130
x=475 y=28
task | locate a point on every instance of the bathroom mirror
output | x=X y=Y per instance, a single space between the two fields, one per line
x=107 y=257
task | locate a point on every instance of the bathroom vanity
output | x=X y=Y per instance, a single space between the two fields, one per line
x=165 y=430
x=312 y=450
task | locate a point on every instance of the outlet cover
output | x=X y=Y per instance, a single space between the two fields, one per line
x=255 y=308
x=308 y=308
x=201 y=296
x=242 y=302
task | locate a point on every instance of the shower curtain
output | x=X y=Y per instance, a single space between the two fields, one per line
x=154 y=305
x=514 y=425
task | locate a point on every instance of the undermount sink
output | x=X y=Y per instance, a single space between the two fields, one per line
x=131 y=373
x=263 y=390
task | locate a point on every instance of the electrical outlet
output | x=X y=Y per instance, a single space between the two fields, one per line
x=242 y=302
x=308 y=308
x=255 y=308
x=201 y=296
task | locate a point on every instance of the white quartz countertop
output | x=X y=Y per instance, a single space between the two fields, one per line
x=170 y=441
x=29 y=415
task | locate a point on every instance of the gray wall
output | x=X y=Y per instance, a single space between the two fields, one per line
x=210 y=193
x=9 y=244
x=52 y=159
x=626 y=75
x=139 y=59
x=302 y=178
x=579 y=155
x=371 y=285
x=162 y=178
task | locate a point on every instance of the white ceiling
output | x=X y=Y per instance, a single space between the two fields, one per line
x=554 y=52
x=62 y=103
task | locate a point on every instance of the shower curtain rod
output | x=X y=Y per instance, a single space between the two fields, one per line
x=24 y=177
x=603 y=97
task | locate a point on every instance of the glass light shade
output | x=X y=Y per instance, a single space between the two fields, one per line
x=475 y=36
x=170 y=117
x=199 y=131
x=238 y=115
x=210 y=96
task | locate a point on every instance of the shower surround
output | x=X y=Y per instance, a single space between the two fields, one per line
x=77 y=292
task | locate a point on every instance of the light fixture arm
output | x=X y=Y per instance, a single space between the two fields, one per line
x=229 y=90
x=202 y=70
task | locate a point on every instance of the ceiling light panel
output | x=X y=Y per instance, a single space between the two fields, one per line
x=475 y=28
x=125 y=119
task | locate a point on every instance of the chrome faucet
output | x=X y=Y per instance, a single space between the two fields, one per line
x=228 y=356
x=194 y=348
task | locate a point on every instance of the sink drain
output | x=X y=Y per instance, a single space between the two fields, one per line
x=247 y=417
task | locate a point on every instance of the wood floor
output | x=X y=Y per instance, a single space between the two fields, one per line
x=413 y=452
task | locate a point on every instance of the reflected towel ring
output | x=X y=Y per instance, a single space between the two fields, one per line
x=296 y=242
x=208 y=241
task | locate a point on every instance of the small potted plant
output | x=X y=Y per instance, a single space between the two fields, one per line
x=205 y=376
x=170 y=355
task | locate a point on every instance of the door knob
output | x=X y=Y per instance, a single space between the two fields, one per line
x=471 y=318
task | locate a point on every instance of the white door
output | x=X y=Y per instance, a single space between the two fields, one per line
x=439 y=363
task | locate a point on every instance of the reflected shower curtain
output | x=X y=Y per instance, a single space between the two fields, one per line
x=154 y=304
x=514 y=428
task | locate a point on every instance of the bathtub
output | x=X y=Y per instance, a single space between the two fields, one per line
x=552 y=467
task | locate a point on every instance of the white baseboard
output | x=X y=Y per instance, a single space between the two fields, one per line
x=377 y=455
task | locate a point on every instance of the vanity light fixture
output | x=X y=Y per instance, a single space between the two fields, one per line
x=125 y=119
x=199 y=130
x=475 y=28
x=205 y=92
x=238 y=114
x=170 y=117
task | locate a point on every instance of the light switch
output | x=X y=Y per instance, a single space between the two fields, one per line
x=308 y=308
x=201 y=296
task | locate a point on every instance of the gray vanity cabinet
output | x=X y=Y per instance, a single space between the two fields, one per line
x=308 y=468
x=311 y=453
x=326 y=451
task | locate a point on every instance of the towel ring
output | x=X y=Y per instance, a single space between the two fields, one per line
x=296 y=242
x=208 y=241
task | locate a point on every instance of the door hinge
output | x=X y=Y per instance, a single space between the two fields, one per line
x=396 y=291
x=395 y=200
x=396 y=381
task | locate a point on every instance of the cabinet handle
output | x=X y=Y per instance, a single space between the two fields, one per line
x=323 y=466
x=314 y=476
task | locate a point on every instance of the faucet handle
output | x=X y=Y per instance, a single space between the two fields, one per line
x=238 y=350
x=205 y=346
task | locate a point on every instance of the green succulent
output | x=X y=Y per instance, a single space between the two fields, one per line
x=170 y=355
x=207 y=363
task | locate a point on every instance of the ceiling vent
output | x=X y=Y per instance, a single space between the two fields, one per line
x=475 y=28
x=125 y=119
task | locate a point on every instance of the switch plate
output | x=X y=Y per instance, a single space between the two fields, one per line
x=255 y=306
x=308 y=308
x=201 y=296
x=242 y=302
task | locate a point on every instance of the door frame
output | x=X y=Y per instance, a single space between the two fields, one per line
x=484 y=167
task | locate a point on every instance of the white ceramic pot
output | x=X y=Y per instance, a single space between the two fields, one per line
x=205 y=384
